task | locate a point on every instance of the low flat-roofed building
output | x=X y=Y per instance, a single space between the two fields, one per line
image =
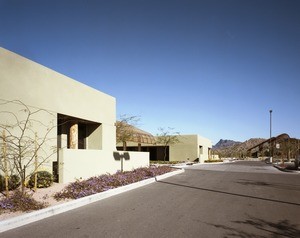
x=79 y=120
x=188 y=148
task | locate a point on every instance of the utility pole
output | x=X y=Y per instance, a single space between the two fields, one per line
x=270 y=145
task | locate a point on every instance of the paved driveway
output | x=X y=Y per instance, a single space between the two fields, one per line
x=239 y=166
x=241 y=199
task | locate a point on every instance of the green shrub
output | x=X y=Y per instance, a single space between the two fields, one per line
x=13 y=182
x=44 y=179
x=213 y=161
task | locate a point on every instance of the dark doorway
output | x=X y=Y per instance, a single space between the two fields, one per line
x=81 y=136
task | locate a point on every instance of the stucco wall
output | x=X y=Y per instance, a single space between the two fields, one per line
x=185 y=150
x=41 y=87
x=206 y=146
x=44 y=88
x=34 y=129
x=82 y=164
x=188 y=148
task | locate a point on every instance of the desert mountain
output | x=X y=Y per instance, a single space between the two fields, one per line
x=225 y=143
x=230 y=148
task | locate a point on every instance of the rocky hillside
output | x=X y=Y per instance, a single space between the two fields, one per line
x=230 y=148
x=225 y=143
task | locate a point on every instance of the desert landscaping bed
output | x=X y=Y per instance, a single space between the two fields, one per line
x=61 y=193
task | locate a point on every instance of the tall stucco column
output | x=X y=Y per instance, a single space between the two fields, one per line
x=74 y=136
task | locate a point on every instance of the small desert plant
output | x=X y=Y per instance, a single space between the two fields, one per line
x=13 y=182
x=20 y=202
x=213 y=161
x=164 y=162
x=44 y=179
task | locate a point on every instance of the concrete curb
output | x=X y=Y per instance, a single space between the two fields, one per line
x=200 y=164
x=286 y=170
x=57 y=209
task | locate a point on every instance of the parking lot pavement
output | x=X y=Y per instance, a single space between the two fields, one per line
x=238 y=166
x=242 y=199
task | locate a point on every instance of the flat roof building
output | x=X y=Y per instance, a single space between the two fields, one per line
x=79 y=120
x=188 y=148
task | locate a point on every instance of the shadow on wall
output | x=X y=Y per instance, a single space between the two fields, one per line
x=282 y=228
x=119 y=156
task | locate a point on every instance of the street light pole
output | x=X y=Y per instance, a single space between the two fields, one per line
x=270 y=145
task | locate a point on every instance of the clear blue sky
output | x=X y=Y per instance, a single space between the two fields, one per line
x=213 y=68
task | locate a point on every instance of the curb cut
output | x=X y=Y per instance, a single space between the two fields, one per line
x=57 y=209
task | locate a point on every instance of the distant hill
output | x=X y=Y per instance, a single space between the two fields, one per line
x=225 y=143
x=230 y=148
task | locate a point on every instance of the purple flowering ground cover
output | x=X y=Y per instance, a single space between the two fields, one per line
x=25 y=202
x=105 y=182
x=20 y=202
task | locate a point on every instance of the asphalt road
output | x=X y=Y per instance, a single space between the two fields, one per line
x=241 y=199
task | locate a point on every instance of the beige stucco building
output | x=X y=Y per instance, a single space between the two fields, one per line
x=189 y=148
x=78 y=121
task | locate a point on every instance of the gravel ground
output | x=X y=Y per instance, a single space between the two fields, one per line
x=42 y=195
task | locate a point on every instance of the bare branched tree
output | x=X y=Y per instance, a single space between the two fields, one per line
x=125 y=128
x=26 y=138
x=167 y=137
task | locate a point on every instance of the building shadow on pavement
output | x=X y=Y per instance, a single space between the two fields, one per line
x=263 y=228
x=229 y=193
x=273 y=185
